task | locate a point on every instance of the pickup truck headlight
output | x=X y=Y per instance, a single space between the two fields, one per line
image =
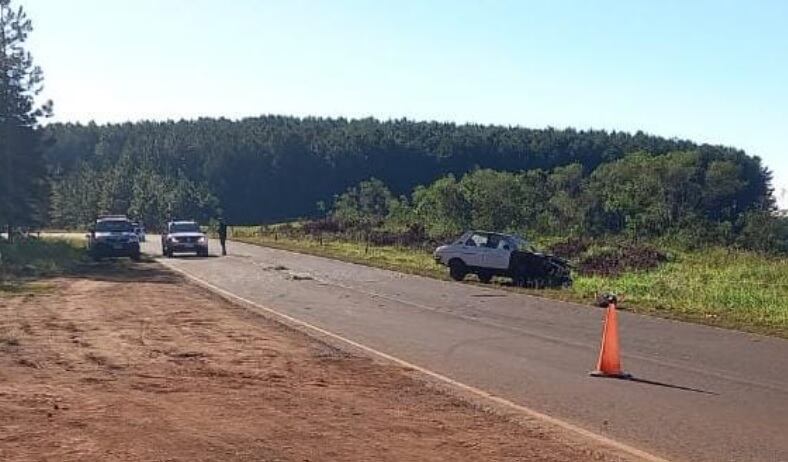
x=202 y=240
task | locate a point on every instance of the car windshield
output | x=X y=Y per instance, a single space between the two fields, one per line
x=113 y=226
x=184 y=228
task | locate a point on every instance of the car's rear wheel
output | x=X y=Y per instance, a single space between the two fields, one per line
x=457 y=269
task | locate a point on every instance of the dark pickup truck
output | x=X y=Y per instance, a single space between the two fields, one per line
x=113 y=236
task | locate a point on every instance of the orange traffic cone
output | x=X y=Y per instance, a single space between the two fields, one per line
x=609 y=364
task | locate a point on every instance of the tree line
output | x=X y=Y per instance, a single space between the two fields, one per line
x=273 y=168
x=688 y=196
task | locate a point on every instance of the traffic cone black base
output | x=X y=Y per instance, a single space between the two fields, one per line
x=620 y=375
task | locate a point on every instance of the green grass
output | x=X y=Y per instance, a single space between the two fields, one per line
x=24 y=261
x=727 y=288
x=394 y=258
x=720 y=287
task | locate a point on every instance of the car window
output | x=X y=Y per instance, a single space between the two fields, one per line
x=477 y=240
x=184 y=228
x=113 y=226
x=519 y=243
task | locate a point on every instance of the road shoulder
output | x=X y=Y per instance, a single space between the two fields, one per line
x=131 y=362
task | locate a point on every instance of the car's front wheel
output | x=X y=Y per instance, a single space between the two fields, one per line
x=457 y=269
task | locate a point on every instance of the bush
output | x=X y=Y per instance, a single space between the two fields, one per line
x=32 y=257
x=325 y=225
x=415 y=236
x=764 y=232
x=571 y=248
x=612 y=261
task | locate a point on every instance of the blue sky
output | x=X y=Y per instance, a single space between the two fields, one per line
x=710 y=71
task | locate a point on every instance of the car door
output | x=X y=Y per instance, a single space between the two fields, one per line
x=474 y=250
x=498 y=257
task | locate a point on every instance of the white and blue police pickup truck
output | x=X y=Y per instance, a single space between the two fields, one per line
x=113 y=236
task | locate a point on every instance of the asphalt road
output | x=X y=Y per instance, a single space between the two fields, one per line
x=704 y=394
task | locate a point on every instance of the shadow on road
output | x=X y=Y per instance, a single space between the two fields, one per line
x=124 y=270
x=191 y=257
x=670 y=385
x=664 y=385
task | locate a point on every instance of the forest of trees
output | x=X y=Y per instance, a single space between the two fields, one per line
x=684 y=196
x=273 y=168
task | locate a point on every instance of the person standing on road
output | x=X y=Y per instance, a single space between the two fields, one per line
x=223 y=236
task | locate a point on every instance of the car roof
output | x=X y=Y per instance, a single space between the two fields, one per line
x=113 y=219
x=491 y=233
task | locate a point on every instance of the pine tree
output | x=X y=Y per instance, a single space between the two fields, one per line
x=23 y=184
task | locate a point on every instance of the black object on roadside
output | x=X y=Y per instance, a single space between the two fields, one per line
x=223 y=236
x=605 y=299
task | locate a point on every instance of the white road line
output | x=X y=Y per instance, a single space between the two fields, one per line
x=435 y=375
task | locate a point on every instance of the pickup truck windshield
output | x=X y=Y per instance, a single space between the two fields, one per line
x=113 y=226
x=184 y=228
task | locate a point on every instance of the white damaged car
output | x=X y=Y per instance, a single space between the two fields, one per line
x=487 y=254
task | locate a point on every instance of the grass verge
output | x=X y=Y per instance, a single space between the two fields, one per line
x=25 y=261
x=720 y=287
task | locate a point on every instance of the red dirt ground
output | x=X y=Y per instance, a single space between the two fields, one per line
x=132 y=363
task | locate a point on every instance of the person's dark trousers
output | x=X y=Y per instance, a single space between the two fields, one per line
x=224 y=248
